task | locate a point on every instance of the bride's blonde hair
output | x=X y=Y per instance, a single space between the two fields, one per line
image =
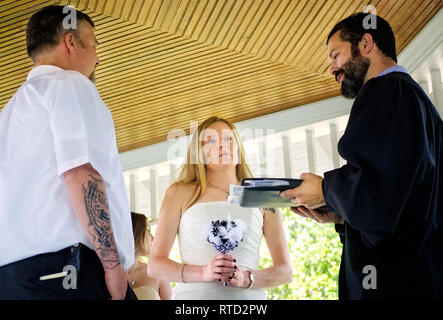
x=193 y=170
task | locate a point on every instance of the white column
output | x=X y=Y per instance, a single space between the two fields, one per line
x=132 y=190
x=287 y=155
x=437 y=94
x=262 y=157
x=424 y=85
x=311 y=150
x=334 y=142
x=172 y=173
x=153 y=191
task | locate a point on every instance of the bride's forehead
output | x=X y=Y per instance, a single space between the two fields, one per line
x=219 y=130
x=219 y=125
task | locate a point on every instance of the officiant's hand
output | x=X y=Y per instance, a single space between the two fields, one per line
x=309 y=193
x=220 y=268
x=321 y=215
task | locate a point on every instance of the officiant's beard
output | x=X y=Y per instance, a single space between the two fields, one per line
x=354 y=74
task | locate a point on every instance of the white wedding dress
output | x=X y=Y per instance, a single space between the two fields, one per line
x=196 y=250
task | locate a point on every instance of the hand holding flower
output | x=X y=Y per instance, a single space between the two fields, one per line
x=220 y=268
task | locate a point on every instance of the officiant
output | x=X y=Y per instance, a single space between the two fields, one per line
x=387 y=200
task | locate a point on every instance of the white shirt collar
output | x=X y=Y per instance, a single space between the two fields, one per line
x=41 y=70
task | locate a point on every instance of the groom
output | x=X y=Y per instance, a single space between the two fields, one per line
x=389 y=195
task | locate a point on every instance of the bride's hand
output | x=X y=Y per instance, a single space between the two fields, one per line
x=239 y=279
x=220 y=268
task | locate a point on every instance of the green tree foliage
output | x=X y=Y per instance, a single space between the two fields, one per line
x=315 y=251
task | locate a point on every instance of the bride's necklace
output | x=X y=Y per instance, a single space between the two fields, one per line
x=227 y=193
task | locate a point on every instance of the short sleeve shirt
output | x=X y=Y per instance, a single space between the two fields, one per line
x=55 y=122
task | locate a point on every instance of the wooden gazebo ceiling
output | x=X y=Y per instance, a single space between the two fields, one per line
x=167 y=62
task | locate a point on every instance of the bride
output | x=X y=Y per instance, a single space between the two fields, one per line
x=195 y=209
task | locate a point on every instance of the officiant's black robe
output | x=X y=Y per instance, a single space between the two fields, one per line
x=390 y=193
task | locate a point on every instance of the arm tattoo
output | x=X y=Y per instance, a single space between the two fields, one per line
x=99 y=225
x=270 y=209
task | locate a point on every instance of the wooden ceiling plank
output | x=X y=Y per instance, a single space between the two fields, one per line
x=308 y=17
x=19 y=10
x=297 y=16
x=217 y=70
x=120 y=106
x=128 y=137
x=197 y=83
x=170 y=14
x=231 y=31
x=413 y=29
x=188 y=101
x=237 y=104
x=150 y=95
x=216 y=109
x=108 y=9
x=208 y=101
x=253 y=25
x=155 y=57
x=415 y=17
x=164 y=79
x=162 y=13
x=82 y=5
x=308 y=44
x=162 y=86
x=93 y=7
x=100 y=7
x=187 y=17
x=195 y=19
x=210 y=88
x=267 y=23
x=234 y=14
x=143 y=39
x=219 y=20
x=179 y=16
x=164 y=58
x=177 y=72
x=203 y=19
x=125 y=10
x=143 y=12
x=275 y=35
x=8 y=4
x=242 y=28
x=140 y=39
x=153 y=13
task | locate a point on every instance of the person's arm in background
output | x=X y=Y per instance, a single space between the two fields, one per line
x=88 y=196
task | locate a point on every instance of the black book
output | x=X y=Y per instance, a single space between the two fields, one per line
x=265 y=192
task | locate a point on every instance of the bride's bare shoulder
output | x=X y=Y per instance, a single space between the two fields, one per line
x=180 y=190
x=178 y=195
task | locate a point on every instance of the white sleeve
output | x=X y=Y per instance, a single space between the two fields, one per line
x=79 y=122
